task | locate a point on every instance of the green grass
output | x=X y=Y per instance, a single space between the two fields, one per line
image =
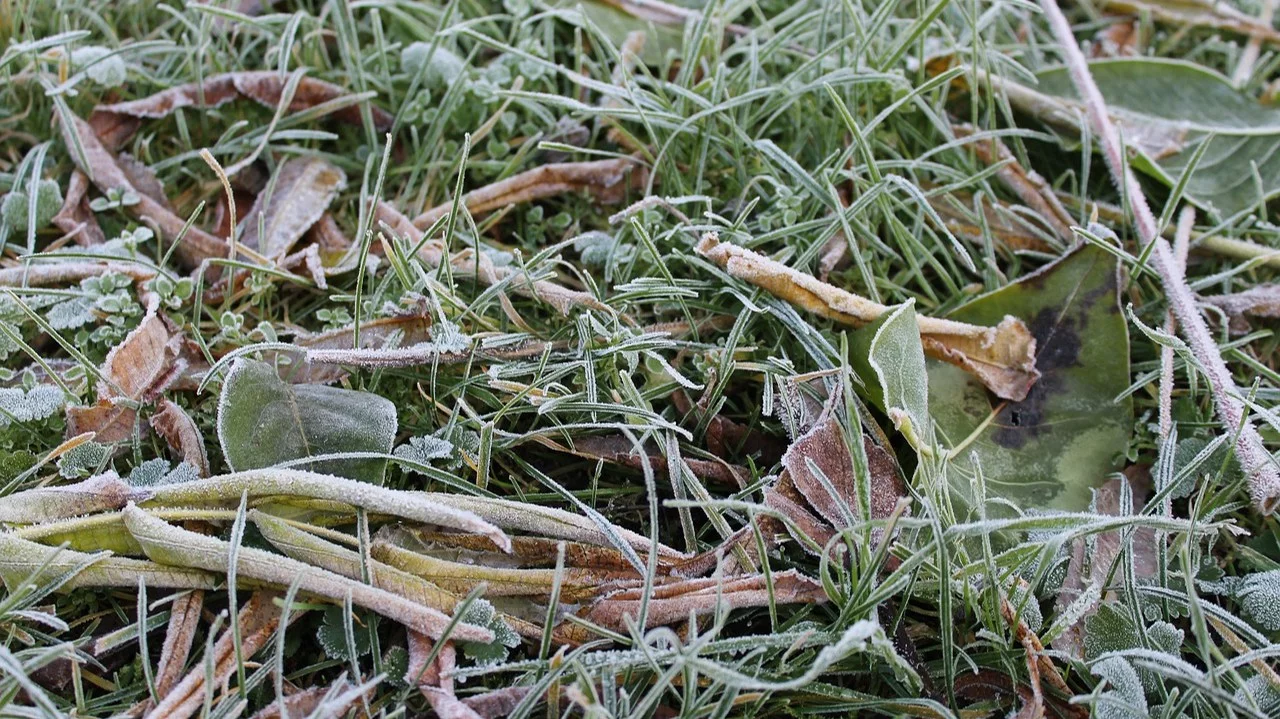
x=756 y=138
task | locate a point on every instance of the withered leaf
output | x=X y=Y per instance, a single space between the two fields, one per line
x=1028 y=185
x=675 y=602
x=1259 y=301
x=1195 y=13
x=1002 y=357
x=179 y=430
x=76 y=216
x=101 y=493
x=304 y=187
x=468 y=264
x=617 y=449
x=109 y=422
x=258 y=619
x=143 y=179
x=135 y=370
x=117 y=122
x=184 y=618
x=607 y=180
x=1000 y=218
x=322 y=702
x=101 y=167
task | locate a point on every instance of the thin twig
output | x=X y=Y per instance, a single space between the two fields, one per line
x=1260 y=470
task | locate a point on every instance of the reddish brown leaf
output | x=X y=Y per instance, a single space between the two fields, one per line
x=116 y=123
x=675 y=602
x=76 y=217
x=110 y=423
x=497 y=703
x=143 y=179
x=101 y=167
x=1260 y=301
x=607 y=180
x=183 y=621
x=133 y=367
x=303 y=189
x=258 y=619
x=179 y=430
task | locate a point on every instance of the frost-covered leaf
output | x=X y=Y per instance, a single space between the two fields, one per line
x=82 y=460
x=71 y=314
x=332 y=635
x=888 y=354
x=424 y=449
x=1259 y=597
x=598 y=249
x=100 y=65
x=264 y=421
x=301 y=192
x=157 y=473
x=15 y=210
x=1168 y=108
x=1125 y=699
x=442 y=66
x=1259 y=690
x=37 y=403
x=1051 y=449
x=481 y=613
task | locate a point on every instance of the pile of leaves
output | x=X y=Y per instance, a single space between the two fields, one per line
x=624 y=358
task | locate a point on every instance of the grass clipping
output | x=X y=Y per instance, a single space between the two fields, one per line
x=1002 y=357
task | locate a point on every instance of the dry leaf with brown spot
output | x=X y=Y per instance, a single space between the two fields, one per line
x=179 y=430
x=303 y=189
x=76 y=217
x=468 y=264
x=1002 y=357
x=607 y=180
x=102 y=168
x=1259 y=301
x=116 y=123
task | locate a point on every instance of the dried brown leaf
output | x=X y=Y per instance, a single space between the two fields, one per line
x=179 y=430
x=468 y=264
x=304 y=187
x=109 y=422
x=258 y=619
x=1002 y=357
x=1000 y=218
x=607 y=180
x=322 y=702
x=617 y=449
x=116 y=123
x=101 y=167
x=1195 y=13
x=497 y=703
x=133 y=367
x=184 y=618
x=675 y=602
x=143 y=179
x=76 y=217
x=1028 y=185
x=1259 y=301
x=101 y=493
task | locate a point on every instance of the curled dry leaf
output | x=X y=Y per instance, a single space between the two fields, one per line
x=136 y=370
x=499 y=702
x=304 y=187
x=257 y=620
x=102 y=168
x=675 y=602
x=1195 y=13
x=184 y=618
x=1027 y=184
x=76 y=218
x=260 y=484
x=1006 y=225
x=179 y=430
x=468 y=264
x=116 y=123
x=607 y=180
x=22 y=560
x=1003 y=357
x=100 y=493
x=169 y=544
x=1260 y=301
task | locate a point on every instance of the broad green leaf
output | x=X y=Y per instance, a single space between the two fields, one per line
x=1049 y=450
x=888 y=355
x=616 y=24
x=264 y=421
x=1168 y=108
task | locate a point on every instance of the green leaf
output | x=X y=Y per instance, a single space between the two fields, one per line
x=264 y=421
x=1050 y=449
x=332 y=634
x=1167 y=108
x=482 y=614
x=887 y=354
x=616 y=24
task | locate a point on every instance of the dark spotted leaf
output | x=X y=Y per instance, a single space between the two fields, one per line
x=1049 y=450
